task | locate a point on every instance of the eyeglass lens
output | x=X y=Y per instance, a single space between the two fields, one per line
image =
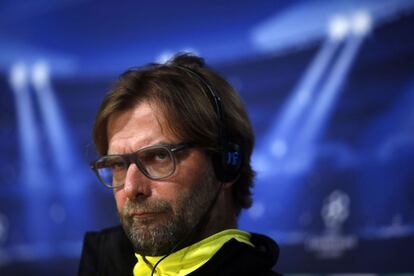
x=155 y=163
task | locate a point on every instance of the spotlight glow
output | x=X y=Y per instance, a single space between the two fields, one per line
x=361 y=22
x=329 y=94
x=40 y=75
x=164 y=56
x=18 y=77
x=277 y=142
x=338 y=27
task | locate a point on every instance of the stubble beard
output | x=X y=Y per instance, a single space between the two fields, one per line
x=159 y=235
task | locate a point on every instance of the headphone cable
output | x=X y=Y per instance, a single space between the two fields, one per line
x=195 y=229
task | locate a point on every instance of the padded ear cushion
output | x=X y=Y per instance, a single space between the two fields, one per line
x=228 y=163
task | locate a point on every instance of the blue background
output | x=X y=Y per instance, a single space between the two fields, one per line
x=329 y=86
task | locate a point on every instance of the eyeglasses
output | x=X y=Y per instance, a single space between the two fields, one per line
x=155 y=162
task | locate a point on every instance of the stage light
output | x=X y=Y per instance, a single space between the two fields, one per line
x=338 y=27
x=33 y=179
x=29 y=137
x=329 y=94
x=286 y=124
x=55 y=124
x=18 y=77
x=40 y=75
x=301 y=97
x=67 y=168
x=361 y=22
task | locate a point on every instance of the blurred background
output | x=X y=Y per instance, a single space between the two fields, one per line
x=329 y=86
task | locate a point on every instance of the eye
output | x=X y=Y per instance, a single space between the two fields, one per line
x=161 y=155
x=155 y=156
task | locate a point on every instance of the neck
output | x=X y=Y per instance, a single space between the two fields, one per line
x=222 y=216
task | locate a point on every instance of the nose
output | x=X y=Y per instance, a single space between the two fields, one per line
x=136 y=183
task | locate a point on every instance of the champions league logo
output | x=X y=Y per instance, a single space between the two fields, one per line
x=335 y=211
x=333 y=243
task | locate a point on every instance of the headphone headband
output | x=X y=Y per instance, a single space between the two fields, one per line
x=228 y=163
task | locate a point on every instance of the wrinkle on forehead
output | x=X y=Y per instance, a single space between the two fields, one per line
x=168 y=127
x=124 y=133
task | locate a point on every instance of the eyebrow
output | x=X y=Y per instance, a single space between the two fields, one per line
x=159 y=143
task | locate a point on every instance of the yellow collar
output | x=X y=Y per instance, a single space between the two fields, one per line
x=190 y=258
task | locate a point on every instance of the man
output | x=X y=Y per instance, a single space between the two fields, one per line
x=176 y=143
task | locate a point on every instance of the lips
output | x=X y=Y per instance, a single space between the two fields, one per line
x=144 y=214
x=145 y=209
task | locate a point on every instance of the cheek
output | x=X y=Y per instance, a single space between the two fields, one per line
x=120 y=199
x=168 y=191
x=182 y=186
x=171 y=191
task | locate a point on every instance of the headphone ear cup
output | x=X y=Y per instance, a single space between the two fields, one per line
x=228 y=163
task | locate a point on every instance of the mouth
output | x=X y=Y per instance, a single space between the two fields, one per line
x=140 y=215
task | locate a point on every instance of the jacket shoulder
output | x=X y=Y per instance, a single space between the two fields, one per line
x=236 y=258
x=107 y=252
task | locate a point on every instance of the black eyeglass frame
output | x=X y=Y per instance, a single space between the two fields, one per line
x=132 y=158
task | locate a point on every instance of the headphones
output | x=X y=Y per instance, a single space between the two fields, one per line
x=228 y=162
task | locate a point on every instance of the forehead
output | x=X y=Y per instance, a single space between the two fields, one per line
x=137 y=127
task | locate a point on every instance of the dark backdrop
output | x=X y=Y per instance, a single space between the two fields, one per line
x=329 y=86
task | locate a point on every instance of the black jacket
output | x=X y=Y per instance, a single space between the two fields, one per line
x=109 y=252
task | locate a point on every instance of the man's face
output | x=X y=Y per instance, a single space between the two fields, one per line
x=158 y=214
